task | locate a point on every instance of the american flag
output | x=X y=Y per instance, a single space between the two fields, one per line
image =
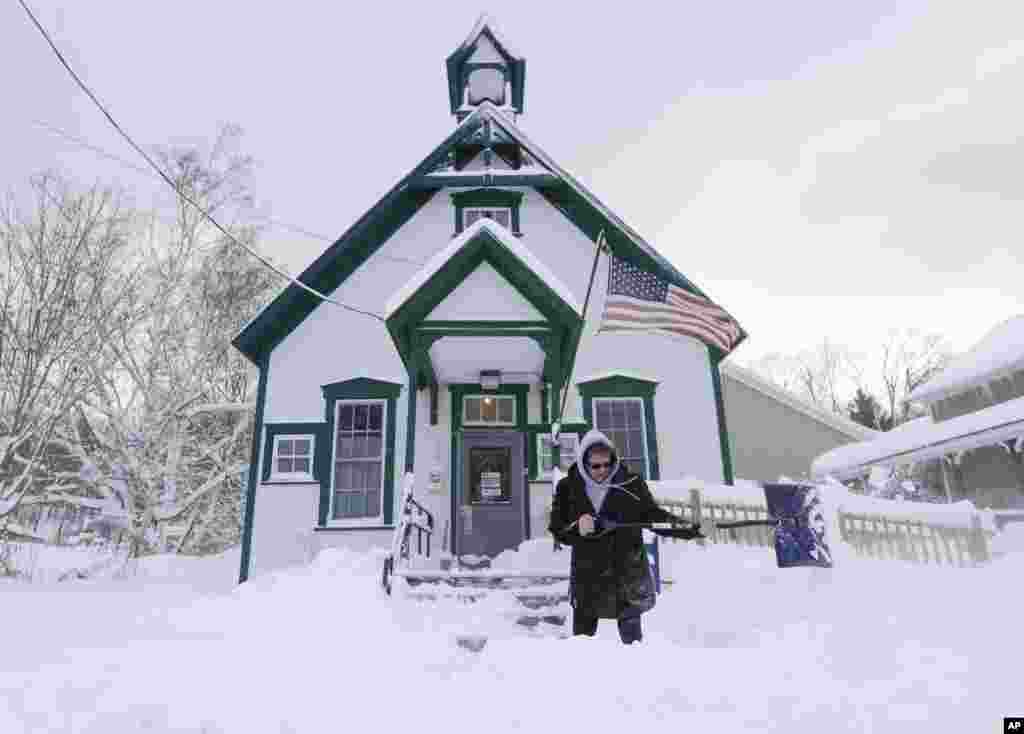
x=641 y=301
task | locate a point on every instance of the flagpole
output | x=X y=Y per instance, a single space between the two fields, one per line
x=556 y=426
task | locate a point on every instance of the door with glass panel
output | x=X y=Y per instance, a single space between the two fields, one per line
x=357 y=476
x=491 y=500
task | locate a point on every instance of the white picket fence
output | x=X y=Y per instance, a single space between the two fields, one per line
x=883 y=529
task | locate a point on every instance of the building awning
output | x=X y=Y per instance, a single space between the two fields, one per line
x=923 y=439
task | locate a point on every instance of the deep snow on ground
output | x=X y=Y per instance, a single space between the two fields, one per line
x=734 y=645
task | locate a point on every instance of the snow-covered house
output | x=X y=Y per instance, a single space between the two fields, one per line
x=974 y=426
x=459 y=315
x=774 y=433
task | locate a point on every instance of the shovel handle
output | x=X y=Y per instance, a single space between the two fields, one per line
x=746 y=524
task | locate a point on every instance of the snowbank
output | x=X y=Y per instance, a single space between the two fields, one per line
x=737 y=645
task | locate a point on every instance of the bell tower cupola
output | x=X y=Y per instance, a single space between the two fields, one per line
x=484 y=67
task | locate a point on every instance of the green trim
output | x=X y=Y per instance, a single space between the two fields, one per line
x=511 y=200
x=410 y=425
x=412 y=334
x=545 y=407
x=361 y=388
x=451 y=327
x=254 y=460
x=622 y=386
x=434 y=181
x=320 y=443
x=715 y=359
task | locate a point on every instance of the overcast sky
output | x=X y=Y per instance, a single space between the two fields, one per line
x=820 y=168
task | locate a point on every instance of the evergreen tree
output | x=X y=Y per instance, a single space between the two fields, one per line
x=865 y=409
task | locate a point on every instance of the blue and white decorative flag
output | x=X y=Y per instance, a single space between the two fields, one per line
x=801 y=524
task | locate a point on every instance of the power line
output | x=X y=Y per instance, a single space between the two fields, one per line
x=171 y=183
x=279 y=223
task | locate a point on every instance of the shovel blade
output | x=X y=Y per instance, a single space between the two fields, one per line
x=800 y=534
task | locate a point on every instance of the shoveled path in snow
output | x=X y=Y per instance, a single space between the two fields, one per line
x=739 y=646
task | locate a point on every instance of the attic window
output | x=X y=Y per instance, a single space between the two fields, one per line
x=502 y=216
x=497 y=204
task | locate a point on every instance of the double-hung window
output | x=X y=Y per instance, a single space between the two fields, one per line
x=622 y=421
x=358 y=474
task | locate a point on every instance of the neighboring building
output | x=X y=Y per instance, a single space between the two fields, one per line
x=975 y=426
x=475 y=268
x=773 y=433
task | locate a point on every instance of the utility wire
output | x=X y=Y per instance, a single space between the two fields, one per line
x=171 y=183
x=281 y=224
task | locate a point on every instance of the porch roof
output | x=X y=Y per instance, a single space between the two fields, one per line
x=503 y=237
x=923 y=439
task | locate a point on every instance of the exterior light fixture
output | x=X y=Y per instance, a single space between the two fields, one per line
x=490 y=379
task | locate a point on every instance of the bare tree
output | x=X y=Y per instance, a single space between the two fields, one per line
x=61 y=272
x=819 y=375
x=174 y=414
x=907 y=359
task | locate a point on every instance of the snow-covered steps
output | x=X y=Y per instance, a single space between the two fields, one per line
x=531 y=603
x=530 y=608
x=531 y=598
x=486 y=579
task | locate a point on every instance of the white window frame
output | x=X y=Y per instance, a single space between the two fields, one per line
x=643 y=427
x=491 y=424
x=541 y=438
x=469 y=209
x=377 y=519
x=275 y=475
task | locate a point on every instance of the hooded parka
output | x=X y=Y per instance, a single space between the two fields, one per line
x=610 y=577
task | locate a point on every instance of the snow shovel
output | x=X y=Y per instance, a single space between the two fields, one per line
x=796 y=513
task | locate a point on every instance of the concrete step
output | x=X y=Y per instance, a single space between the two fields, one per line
x=486 y=579
x=527 y=598
x=531 y=603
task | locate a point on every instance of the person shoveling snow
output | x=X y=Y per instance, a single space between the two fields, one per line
x=610 y=577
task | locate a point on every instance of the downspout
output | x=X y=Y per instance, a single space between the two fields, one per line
x=254 y=458
x=715 y=357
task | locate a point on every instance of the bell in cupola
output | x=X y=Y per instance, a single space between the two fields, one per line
x=484 y=68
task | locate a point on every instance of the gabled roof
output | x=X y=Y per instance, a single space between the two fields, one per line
x=504 y=238
x=397 y=206
x=1000 y=351
x=486 y=242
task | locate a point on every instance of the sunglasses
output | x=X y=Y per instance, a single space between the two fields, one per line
x=605 y=465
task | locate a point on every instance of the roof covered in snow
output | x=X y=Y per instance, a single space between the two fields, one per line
x=504 y=238
x=999 y=352
x=923 y=439
x=836 y=422
x=605 y=374
x=294 y=303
